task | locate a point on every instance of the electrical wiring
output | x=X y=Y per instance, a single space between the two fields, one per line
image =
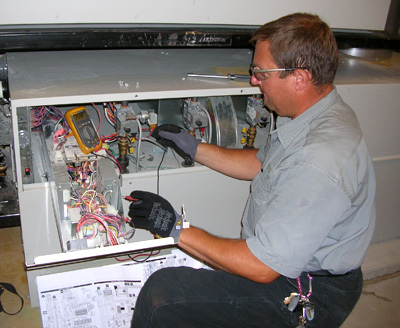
x=109 y=113
x=152 y=167
x=209 y=123
x=176 y=158
x=61 y=115
x=58 y=122
x=149 y=129
x=41 y=114
x=90 y=215
x=114 y=159
x=133 y=258
x=158 y=173
x=112 y=151
x=97 y=216
x=98 y=113
x=133 y=159
x=60 y=139
x=84 y=175
x=38 y=116
x=111 y=158
x=140 y=139
x=100 y=223
x=139 y=144
x=154 y=143
x=110 y=138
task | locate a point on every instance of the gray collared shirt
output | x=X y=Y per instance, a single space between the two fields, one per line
x=311 y=207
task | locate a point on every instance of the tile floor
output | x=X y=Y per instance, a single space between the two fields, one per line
x=378 y=306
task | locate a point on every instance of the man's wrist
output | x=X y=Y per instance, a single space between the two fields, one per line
x=180 y=224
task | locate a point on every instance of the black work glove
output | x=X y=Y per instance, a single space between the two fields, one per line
x=154 y=213
x=178 y=139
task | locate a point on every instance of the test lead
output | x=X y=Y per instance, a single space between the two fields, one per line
x=131 y=199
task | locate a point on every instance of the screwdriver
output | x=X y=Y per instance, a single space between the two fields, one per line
x=228 y=76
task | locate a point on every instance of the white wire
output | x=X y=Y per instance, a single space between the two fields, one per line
x=106 y=115
x=58 y=122
x=139 y=144
x=209 y=124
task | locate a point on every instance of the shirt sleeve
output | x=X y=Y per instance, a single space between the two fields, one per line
x=298 y=206
x=261 y=154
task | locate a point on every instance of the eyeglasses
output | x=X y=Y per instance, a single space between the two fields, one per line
x=259 y=72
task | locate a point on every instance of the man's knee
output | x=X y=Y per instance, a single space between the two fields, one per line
x=160 y=289
x=161 y=286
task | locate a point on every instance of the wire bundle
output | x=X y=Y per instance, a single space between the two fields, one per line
x=98 y=216
x=109 y=113
x=84 y=175
x=95 y=223
x=110 y=138
x=39 y=115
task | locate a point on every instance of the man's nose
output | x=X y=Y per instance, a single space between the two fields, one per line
x=254 y=81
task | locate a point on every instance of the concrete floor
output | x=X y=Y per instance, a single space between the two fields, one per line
x=378 y=306
x=12 y=270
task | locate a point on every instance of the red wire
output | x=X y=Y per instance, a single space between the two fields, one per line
x=115 y=160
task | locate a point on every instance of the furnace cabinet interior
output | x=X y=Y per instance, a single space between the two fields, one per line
x=155 y=81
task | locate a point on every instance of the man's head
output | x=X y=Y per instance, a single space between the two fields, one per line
x=301 y=40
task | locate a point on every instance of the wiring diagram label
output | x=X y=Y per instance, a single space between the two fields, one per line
x=102 y=296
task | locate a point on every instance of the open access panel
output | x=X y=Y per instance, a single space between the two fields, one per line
x=73 y=211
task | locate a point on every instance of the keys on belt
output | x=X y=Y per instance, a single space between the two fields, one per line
x=299 y=298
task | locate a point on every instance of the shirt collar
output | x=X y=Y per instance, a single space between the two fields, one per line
x=287 y=129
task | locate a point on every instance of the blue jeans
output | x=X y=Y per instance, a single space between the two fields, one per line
x=185 y=297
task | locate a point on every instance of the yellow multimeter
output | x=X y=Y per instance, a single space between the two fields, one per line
x=83 y=129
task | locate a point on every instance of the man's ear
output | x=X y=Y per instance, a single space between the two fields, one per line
x=302 y=79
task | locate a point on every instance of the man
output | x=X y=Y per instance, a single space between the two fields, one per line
x=310 y=214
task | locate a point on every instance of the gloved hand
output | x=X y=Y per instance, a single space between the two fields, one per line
x=180 y=140
x=154 y=213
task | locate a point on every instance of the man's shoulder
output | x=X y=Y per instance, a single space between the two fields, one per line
x=333 y=138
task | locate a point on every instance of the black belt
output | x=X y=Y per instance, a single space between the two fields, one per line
x=326 y=273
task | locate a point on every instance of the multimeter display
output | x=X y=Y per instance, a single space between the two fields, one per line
x=83 y=129
x=80 y=116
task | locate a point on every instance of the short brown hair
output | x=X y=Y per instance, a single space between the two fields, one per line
x=302 y=40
